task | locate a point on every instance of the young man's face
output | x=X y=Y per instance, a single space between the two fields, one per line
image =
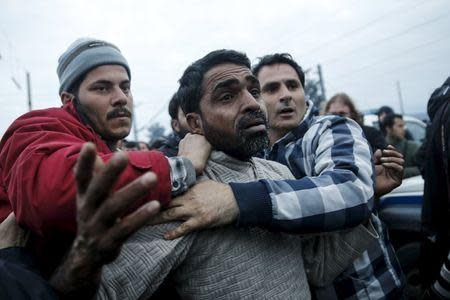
x=282 y=92
x=106 y=99
x=232 y=116
x=398 y=129
x=179 y=125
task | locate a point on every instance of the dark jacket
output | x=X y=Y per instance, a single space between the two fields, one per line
x=436 y=207
x=408 y=149
x=19 y=278
x=374 y=137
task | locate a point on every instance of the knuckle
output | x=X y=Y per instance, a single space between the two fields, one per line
x=185 y=227
x=171 y=213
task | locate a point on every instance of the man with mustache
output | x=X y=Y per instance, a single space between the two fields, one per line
x=40 y=149
x=334 y=189
x=222 y=100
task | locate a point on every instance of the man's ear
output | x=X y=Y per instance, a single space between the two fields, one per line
x=66 y=97
x=194 y=122
x=175 y=125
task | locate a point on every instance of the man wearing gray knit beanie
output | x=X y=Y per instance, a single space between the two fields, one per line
x=85 y=61
x=39 y=151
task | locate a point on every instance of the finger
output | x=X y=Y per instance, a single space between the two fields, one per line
x=391 y=147
x=172 y=214
x=377 y=156
x=185 y=228
x=134 y=221
x=392 y=153
x=117 y=204
x=396 y=160
x=84 y=167
x=393 y=166
x=178 y=201
x=102 y=183
x=99 y=164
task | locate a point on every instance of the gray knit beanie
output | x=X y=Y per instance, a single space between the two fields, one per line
x=84 y=55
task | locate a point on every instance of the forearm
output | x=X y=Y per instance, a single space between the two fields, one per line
x=49 y=202
x=334 y=189
x=76 y=278
x=293 y=206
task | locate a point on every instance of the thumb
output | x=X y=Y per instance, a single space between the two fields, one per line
x=377 y=156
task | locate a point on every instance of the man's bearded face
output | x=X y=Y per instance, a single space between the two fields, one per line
x=243 y=143
x=232 y=115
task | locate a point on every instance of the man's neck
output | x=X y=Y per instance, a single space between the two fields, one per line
x=393 y=139
x=275 y=135
x=112 y=145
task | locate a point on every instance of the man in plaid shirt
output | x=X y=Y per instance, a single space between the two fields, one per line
x=331 y=159
x=334 y=188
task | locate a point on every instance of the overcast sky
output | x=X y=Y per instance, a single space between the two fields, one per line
x=364 y=47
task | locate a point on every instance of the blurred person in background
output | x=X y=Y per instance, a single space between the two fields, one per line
x=131 y=145
x=169 y=144
x=382 y=113
x=394 y=126
x=341 y=104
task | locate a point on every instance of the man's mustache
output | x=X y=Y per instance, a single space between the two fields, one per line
x=252 y=118
x=118 y=112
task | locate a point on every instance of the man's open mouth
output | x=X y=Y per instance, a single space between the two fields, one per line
x=286 y=110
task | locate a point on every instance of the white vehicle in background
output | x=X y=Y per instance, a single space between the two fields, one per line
x=415 y=126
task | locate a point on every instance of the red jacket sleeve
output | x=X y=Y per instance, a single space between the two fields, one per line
x=38 y=154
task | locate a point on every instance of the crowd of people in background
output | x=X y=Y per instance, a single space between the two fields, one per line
x=391 y=131
x=257 y=196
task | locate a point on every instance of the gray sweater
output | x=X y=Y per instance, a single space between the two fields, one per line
x=231 y=263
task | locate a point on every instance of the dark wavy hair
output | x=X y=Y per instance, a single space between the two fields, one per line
x=279 y=58
x=190 y=91
x=173 y=106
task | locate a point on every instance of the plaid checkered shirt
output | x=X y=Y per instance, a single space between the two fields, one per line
x=331 y=160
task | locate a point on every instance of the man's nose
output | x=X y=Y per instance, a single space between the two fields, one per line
x=250 y=102
x=285 y=94
x=119 y=97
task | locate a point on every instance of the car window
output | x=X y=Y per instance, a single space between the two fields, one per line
x=416 y=130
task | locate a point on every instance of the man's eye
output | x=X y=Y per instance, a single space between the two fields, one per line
x=255 y=93
x=126 y=89
x=100 y=88
x=226 y=97
x=270 y=89
x=292 y=86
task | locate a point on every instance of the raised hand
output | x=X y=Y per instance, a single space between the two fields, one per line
x=103 y=224
x=388 y=170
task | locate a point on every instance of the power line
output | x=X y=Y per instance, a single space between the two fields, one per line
x=297 y=32
x=402 y=68
x=387 y=38
x=383 y=60
x=362 y=27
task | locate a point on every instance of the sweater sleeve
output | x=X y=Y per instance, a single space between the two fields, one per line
x=143 y=264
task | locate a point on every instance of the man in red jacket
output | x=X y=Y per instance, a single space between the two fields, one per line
x=39 y=150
